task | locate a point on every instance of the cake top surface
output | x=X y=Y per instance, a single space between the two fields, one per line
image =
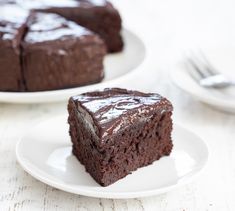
x=12 y=18
x=45 y=4
x=48 y=27
x=113 y=108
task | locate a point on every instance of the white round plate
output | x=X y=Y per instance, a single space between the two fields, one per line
x=117 y=67
x=223 y=60
x=45 y=153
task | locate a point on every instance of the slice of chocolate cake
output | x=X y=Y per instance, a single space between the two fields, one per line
x=12 y=27
x=116 y=131
x=97 y=15
x=58 y=54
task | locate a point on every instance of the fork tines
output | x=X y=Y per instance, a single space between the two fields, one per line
x=199 y=64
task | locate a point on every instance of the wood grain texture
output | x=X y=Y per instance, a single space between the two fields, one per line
x=167 y=27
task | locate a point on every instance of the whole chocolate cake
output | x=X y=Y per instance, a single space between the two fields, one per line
x=41 y=50
x=116 y=131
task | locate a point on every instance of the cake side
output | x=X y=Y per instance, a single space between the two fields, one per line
x=141 y=144
x=84 y=141
x=12 y=29
x=146 y=137
x=60 y=54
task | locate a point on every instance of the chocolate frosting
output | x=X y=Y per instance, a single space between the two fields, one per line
x=114 y=109
x=12 y=19
x=47 y=27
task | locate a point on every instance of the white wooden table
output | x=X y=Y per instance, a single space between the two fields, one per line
x=167 y=27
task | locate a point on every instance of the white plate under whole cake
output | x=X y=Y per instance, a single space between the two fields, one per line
x=53 y=163
x=118 y=68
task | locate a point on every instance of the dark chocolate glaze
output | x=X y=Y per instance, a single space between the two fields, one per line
x=114 y=109
x=48 y=27
x=12 y=21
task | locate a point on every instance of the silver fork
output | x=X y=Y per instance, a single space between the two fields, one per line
x=205 y=73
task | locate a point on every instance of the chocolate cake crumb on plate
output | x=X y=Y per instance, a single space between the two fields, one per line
x=116 y=131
